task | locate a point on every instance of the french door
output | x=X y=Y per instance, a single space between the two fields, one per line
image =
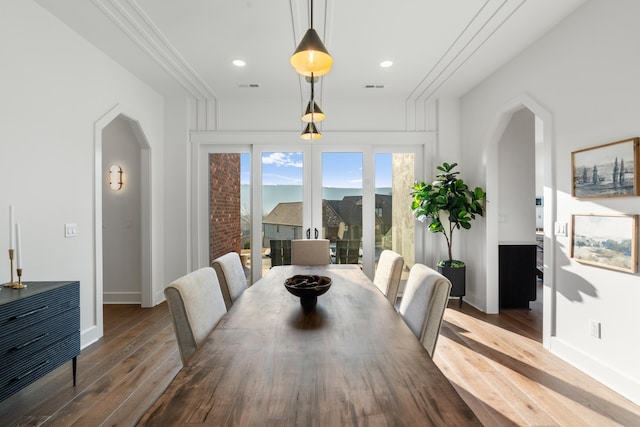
x=361 y=201
x=282 y=203
x=358 y=197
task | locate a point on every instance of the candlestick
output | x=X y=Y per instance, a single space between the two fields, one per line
x=10 y=283
x=19 y=285
x=12 y=237
x=18 y=247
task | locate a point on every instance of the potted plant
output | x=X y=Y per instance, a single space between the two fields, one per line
x=448 y=204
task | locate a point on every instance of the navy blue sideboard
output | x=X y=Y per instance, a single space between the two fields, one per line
x=39 y=331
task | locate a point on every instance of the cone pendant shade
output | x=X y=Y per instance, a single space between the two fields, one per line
x=313 y=115
x=311 y=132
x=311 y=56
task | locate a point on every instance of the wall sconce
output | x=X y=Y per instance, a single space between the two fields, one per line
x=115 y=177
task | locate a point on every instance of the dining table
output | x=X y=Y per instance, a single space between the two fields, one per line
x=350 y=360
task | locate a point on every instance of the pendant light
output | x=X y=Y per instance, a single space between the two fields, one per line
x=311 y=132
x=311 y=56
x=313 y=113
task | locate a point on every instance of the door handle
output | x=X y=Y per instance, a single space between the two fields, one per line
x=308 y=233
x=316 y=233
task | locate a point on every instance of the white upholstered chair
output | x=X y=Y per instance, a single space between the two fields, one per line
x=310 y=252
x=196 y=306
x=231 y=276
x=388 y=272
x=423 y=303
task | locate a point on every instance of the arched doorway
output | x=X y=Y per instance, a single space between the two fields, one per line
x=549 y=193
x=121 y=217
x=145 y=209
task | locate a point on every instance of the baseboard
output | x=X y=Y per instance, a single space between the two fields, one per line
x=89 y=336
x=159 y=297
x=121 y=298
x=607 y=375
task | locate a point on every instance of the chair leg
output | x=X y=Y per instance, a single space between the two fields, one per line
x=460 y=306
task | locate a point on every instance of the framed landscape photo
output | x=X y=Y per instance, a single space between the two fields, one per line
x=606 y=241
x=607 y=170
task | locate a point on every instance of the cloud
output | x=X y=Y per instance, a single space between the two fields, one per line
x=282 y=159
x=275 y=179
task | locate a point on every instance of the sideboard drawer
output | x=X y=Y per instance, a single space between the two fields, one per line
x=28 y=311
x=39 y=331
x=34 y=338
x=24 y=371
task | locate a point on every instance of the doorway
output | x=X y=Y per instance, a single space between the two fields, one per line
x=497 y=173
x=144 y=166
x=121 y=215
x=351 y=195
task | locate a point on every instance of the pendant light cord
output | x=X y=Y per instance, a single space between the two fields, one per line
x=312 y=94
x=311 y=13
x=313 y=102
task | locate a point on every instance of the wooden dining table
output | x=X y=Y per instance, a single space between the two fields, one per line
x=349 y=361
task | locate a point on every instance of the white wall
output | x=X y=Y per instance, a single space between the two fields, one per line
x=375 y=114
x=516 y=161
x=585 y=73
x=53 y=87
x=121 y=216
x=177 y=183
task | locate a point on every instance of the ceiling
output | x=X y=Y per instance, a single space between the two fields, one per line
x=438 y=47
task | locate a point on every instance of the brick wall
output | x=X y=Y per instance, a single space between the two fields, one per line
x=224 y=202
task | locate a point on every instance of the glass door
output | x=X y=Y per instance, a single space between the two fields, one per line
x=394 y=227
x=341 y=205
x=355 y=195
x=285 y=207
x=361 y=202
x=230 y=206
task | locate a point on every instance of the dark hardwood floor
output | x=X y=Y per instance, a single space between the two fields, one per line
x=496 y=362
x=118 y=377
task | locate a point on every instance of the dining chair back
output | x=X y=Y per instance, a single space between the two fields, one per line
x=388 y=272
x=347 y=251
x=231 y=276
x=310 y=252
x=280 y=252
x=196 y=306
x=423 y=303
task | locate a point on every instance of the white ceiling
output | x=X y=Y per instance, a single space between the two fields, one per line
x=437 y=46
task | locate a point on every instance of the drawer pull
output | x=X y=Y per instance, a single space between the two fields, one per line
x=29 y=313
x=36 y=339
x=37 y=368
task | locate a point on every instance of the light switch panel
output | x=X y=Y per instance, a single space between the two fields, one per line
x=70 y=230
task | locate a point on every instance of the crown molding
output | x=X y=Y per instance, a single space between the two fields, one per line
x=129 y=18
x=490 y=17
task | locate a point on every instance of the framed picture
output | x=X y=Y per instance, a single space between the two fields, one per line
x=605 y=240
x=606 y=171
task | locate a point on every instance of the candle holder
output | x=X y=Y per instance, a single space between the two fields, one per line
x=11 y=283
x=19 y=285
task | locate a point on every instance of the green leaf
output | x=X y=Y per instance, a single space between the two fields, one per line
x=447 y=193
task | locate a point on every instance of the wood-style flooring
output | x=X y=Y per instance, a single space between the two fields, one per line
x=496 y=362
x=118 y=377
x=499 y=367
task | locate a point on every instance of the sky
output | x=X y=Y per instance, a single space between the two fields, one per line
x=342 y=170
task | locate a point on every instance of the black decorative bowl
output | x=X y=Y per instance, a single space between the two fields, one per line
x=308 y=288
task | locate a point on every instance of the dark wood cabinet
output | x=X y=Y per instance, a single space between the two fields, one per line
x=517 y=275
x=39 y=331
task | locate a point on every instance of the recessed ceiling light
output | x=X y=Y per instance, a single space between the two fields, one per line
x=239 y=63
x=386 y=64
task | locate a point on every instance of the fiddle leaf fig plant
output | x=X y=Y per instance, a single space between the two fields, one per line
x=447 y=204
